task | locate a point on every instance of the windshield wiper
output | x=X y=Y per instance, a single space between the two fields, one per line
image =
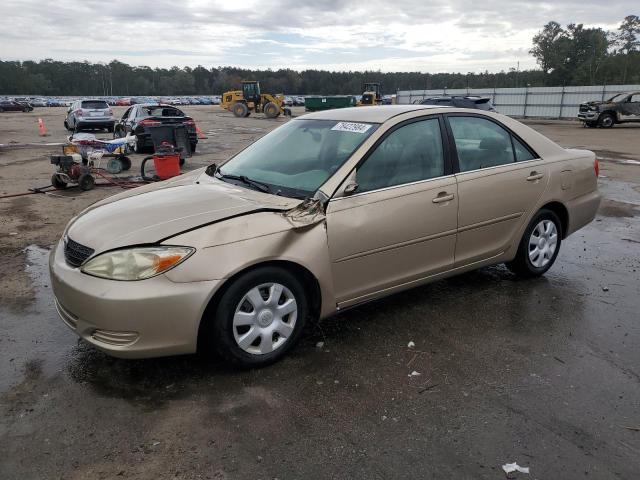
x=263 y=187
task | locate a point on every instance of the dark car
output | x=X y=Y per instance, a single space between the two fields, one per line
x=138 y=118
x=621 y=108
x=11 y=106
x=468 y=101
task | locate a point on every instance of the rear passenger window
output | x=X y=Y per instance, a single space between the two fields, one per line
x=522 y=153
x=480 y=143
x=409 y=154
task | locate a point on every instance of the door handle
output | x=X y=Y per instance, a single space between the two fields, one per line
x=533 y=176
x=443 y=197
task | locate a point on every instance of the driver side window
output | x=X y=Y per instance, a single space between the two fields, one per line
x=126 y=114
x=409 y=154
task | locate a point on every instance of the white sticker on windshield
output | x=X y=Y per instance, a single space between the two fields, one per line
x=351 y=127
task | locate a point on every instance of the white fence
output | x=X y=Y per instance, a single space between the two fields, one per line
x=541 y=102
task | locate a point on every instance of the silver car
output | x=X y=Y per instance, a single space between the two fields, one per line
x=89 y=115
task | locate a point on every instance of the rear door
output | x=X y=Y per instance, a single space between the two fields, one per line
x=500 y=180
x=399 y=225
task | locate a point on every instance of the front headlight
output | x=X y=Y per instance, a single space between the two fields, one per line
x=136 y=263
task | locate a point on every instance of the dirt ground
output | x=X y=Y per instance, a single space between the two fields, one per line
x=544 y=372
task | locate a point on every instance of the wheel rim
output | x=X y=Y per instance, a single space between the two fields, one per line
x=543 y=243
x=265 y=318
x=607 y=121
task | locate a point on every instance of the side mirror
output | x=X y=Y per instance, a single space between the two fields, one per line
x=350 y=188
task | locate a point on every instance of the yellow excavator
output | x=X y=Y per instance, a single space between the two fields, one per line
x=242 y=102
x=371 y=94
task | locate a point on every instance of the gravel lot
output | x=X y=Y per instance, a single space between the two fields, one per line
x=544 y=372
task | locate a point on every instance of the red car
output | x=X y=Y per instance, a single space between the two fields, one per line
x=11 y=106
x=123 y=102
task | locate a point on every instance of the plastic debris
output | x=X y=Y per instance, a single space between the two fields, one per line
x=605 y=289
x=413 y=374
x=411 y=345
x=319 y=344
x=514 y=467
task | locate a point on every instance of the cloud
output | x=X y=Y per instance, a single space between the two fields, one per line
x=408 y=35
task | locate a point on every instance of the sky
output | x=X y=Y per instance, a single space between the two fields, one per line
x=402 y=35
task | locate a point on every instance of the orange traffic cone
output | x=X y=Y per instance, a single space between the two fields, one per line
x=200 y=133
x=41 y=127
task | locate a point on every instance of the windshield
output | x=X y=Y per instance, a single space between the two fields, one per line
x=617 y=98
x=95 y=104
x=297 y=158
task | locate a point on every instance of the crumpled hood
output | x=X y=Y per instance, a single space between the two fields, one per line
x=155 y=212
x=594 y=103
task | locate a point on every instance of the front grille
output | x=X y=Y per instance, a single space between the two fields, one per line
x=584 y=108
x=75 y=253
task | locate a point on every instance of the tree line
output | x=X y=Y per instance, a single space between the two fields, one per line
x=571 y=55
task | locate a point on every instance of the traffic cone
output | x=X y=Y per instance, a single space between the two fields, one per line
x=41 y=127
x=200 y=133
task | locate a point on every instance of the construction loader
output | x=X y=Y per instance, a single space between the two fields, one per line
x=371 y=94
x=242 y=102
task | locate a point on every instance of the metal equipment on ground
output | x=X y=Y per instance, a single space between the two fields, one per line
x=371 y=95
x=242 y=102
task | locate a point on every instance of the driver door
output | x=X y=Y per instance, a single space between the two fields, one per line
x=399 y=225
x=630 y=109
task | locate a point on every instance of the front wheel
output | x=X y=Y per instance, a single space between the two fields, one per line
x=539 y=245
x=259 y=318
x=606 y=120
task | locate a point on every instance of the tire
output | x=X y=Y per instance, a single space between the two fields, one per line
x=193 y=147
x=86 y=182
x=271 y=110
x=269 y=343
x=606 y=120
x=57 y=182
x=66 y=125
x=126 y=163
x=533 y=262
x=591 y=124
x=181 y=161
x=240 y=109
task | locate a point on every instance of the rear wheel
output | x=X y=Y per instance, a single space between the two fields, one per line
x=86 y=181
x=240 y=109
x=606 y=120
x=271 y=110
x=193 y=147
x=258 y=318
x=539 y=245
x=57 y=182
x=125 y=162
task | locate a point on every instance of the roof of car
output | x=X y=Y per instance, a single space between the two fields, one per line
x=373 y=114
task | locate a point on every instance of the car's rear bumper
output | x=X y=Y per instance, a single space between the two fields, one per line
x=144 y=138
x=582 y=210
x=97 y=123
x=140 y=319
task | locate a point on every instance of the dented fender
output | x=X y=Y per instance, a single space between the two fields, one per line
x=228 y=247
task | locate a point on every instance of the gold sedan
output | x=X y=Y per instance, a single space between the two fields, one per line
x=330 y=210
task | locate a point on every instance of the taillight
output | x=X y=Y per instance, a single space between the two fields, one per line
x=110 y=112
x=596 y=167
x=189 y=122
x=149 y=122
x=78 y=113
